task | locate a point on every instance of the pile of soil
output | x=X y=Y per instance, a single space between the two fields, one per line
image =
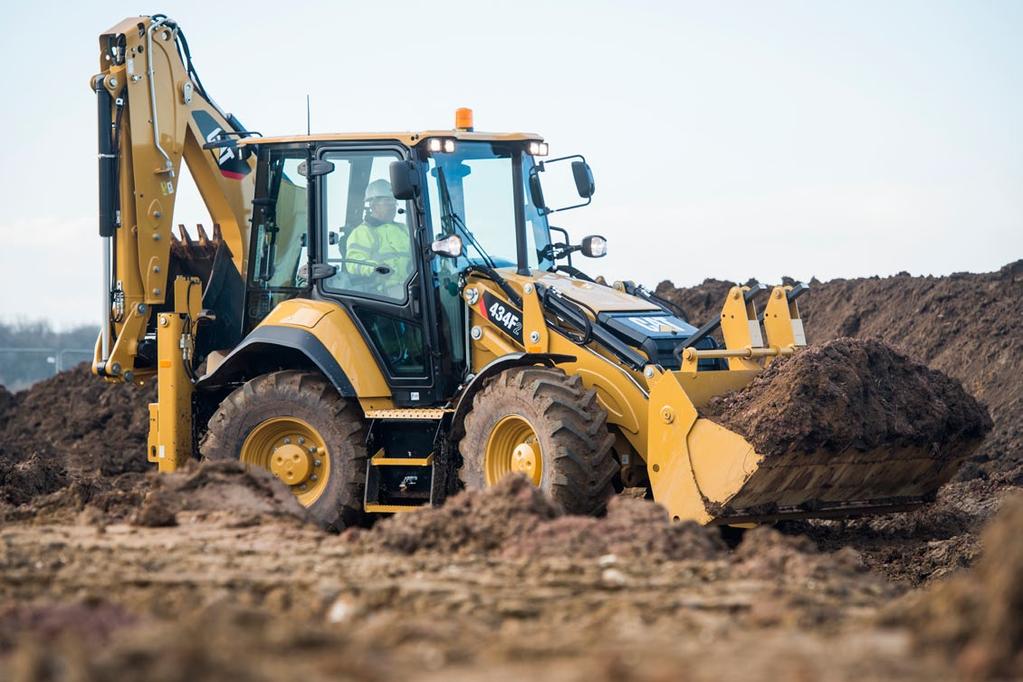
x=469 y=523
x=977 y=618
x=633 y=528
x=71 y=428
x=222 y=489
x=515 y=519
x=966 y=325
x=852 y=393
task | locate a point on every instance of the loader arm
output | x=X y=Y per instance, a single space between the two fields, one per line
x=153 y=112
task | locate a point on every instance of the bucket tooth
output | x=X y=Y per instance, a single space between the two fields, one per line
x=185 y=237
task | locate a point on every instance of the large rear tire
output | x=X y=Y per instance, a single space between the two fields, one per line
x=295 y=425
x=546 y=425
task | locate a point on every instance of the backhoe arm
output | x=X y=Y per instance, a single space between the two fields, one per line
x=153 y=111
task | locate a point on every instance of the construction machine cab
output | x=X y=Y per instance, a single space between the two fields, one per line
x=403 y=294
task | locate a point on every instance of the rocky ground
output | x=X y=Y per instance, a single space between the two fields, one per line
x=109 y=573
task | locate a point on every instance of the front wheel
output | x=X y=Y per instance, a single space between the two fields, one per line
x=544 y=424
x=296 y=426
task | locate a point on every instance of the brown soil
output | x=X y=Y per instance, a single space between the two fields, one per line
x=224 y=489
x=851 y=393
x=71 y=429
x=515 y=520
x=976 y=618
x=210 y=599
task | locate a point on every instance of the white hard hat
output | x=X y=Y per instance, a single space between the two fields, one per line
x=379 y=189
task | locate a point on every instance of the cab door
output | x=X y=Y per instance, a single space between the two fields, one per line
x=372 y=239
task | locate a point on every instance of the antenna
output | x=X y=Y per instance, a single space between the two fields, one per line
x=308 y=117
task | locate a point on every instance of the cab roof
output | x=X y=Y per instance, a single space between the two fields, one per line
x=408 y=138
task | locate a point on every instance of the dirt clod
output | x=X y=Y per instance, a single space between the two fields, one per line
x=222 y=488
x=467 y=523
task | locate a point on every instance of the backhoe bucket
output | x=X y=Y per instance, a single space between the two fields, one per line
x=702 y=471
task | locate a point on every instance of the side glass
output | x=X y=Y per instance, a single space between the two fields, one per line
x=280 y=236
x=368 y=237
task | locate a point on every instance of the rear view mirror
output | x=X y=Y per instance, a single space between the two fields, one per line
x=318 y=167
x=536 y=190
x=583 y=179
x=404 y=180
x=581 y=175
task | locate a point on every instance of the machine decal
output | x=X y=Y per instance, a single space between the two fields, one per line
x=504 y=316
x=228 y=158
x=659 y=324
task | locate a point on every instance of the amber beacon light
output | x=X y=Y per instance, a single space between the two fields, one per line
x=463 y=118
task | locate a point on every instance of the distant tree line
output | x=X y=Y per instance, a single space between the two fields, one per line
x=30 y=351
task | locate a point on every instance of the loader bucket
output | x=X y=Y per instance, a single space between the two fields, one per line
x=702 y=471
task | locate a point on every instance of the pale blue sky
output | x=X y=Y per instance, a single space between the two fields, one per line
x=730 y=140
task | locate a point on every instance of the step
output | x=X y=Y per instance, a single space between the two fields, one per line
x=382 y=460
x=409 y=413
x=374 y=508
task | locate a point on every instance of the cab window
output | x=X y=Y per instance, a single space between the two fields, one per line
x=367 y=232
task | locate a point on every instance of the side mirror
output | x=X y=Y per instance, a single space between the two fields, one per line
x=594 y=246
x=583 y=179
x=404 y=180
x=450 y=246
x=319 y=167
x=320 y=271
x=536 y=190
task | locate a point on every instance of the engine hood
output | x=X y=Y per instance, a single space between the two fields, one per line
x=597 y=297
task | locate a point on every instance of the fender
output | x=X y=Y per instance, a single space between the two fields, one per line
x=495 y=367
x=274 y=342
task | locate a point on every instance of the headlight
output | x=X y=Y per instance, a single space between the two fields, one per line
x=594 y=246
x=450 y=246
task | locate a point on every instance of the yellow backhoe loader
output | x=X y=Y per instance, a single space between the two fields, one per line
x=382 y=319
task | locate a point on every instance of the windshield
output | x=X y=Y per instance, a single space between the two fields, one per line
x=472 y=194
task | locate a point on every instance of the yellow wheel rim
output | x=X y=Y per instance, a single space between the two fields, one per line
x=294 y=452
x=513 y=447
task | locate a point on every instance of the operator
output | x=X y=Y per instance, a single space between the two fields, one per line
x=380 y=242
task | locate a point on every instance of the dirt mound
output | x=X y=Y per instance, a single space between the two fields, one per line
x=471 y=522
x=223 y=489
x=765 y=553
x=633 y=528
x=852 y=393
x=71 y=427
x=514 y=519
x=966 y=325
x=977 y=618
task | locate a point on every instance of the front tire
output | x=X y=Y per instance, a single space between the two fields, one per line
x=295 y=425
x=542 y=423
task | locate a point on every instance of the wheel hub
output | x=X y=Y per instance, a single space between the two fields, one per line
x=291 y=463
x=525 y=459
x=513 y=448
x=294 y=452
